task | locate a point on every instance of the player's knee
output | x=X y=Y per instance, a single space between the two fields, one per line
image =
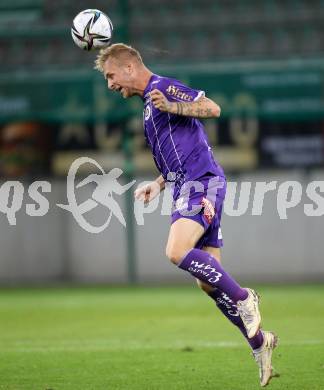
x=175 y=254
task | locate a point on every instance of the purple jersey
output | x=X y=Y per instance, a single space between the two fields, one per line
x=179 y=143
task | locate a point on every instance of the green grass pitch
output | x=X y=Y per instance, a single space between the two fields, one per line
x=152 y=338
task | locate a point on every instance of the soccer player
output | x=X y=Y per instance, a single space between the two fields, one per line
x=182 y=155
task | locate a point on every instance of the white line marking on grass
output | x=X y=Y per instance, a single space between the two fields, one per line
x=104 y=345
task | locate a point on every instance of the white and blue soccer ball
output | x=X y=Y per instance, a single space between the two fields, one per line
x=91 y=29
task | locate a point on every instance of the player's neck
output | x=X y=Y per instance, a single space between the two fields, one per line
x=143 y=79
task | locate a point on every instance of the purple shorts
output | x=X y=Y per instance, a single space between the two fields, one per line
x=202 y=201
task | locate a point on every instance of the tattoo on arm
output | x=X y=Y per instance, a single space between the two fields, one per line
x=208 y=112
x=194 y=109
x=180 y=108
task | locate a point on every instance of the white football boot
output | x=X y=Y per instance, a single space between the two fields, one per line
x=263 y=356
x=250 y=313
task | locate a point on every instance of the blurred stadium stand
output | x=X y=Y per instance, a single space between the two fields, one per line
x=35 y=33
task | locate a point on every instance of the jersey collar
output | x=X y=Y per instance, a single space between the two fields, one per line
x=149 y=86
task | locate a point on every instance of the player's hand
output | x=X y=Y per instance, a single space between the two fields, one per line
x=148 y=192
x=160 y=101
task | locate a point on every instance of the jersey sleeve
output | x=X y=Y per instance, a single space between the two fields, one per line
x=175 y=91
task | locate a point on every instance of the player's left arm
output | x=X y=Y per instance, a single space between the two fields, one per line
x=201 y=108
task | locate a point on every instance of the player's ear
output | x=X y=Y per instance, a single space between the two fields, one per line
x=129 y=68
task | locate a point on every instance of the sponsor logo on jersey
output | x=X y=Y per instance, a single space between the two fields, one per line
x=175 y=92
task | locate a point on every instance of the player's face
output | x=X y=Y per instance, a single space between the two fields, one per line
x=120 y=77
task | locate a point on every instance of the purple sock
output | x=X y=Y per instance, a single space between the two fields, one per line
x=206 y=268
x=228 y=307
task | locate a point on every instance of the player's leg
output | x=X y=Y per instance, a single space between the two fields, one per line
x=227 y=306
x=262 y=344
x=189 y=234
x=183 y=236
x=216 y=252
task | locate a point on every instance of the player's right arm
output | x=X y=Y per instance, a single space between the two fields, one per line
x=176 y=98
x=150 y=191
x=201 y=108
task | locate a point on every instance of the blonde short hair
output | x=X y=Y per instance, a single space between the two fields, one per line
x=118 y=51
